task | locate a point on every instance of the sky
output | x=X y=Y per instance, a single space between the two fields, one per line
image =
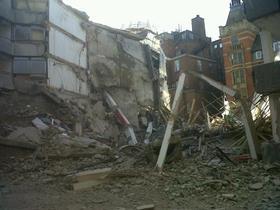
x=161 y=15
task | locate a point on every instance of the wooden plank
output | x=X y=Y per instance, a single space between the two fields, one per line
x=90 y=178
x=170 y=124
x=93 y=174
x=146 y=207
x=215 y=84
x=246 y=113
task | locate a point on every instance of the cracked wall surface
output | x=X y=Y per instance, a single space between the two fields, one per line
x=117 y=63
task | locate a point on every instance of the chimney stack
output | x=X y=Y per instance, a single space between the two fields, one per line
x=198 y=26
x=235 y=3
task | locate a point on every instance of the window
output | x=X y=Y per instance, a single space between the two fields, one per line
x=183 y=51
x=234 y=40
x=237 y=57
x=37 y=34
x=276 y=46
x=21 y=5
x=191 y=36
x=215 y=46
x=199 y=65
x=35 y=6
x=178 y=52
x=184 y=36
x=238 y=77
x=25 y=65
x=177 y=65
x=258 y=55
x=26 y=33
x=221 y=45
x=21 y=33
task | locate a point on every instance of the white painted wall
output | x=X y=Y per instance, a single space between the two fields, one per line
x=66 y=19
x=62 y=76
x=62 y=46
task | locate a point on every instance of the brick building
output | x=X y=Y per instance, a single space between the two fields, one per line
x=192 y=50
x=241 y=49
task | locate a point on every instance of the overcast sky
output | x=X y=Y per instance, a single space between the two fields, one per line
x=163 y=15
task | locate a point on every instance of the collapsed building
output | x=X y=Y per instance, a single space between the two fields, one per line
x=35 y=35
x=93 y=113
x=50 y=44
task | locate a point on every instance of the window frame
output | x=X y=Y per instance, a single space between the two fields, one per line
x=258 y=55
x=177 y=65
x=237 y=57
x=238 y=77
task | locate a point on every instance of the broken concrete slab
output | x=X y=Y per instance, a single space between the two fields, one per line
x=93 y=174
x=28 y=137
x=256 y=186
x=229 y=196
x=63 y=146
x=146 y=207
x=88 y=179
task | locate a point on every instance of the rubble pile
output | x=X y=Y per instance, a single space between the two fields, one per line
x=76 y=143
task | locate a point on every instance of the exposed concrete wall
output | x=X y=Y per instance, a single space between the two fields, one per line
x=6 y=10
x=70 y=50
x=5 y=37
x=30 y=11
x=67 y=48
x=31 y=5
x=62 y=76
x=61 y=16
x=25 y=21
x=117 y=63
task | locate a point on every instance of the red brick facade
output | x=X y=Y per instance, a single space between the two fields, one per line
x=244 y=46
x=238 y=38
x=189 y=51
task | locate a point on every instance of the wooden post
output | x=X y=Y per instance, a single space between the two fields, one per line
x=246 y=112
x=249 y=129
x=191 y=111
x=170 y=124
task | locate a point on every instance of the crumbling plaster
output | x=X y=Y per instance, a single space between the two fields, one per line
x=117 y=63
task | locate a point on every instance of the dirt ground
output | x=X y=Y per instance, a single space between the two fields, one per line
x=29 y=182
x=188 y=184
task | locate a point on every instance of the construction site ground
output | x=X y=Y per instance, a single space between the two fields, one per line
x=187 y=184
x=29 y=181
